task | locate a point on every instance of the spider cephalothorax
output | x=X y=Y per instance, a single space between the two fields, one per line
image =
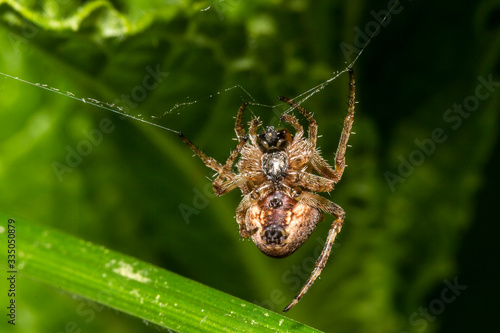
x=274 y=160
x=279 y=176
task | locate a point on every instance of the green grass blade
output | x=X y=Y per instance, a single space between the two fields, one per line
x=132 y=286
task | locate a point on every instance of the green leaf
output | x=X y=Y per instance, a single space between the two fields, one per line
x=130 y=285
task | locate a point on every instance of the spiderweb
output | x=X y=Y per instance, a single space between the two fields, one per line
x=112 y=107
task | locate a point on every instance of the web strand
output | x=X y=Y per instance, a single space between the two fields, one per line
x=301 y=98
x=103 y=105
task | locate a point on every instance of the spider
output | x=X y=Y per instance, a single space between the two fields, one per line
x=279 y=176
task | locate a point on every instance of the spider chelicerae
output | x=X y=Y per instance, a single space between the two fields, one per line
x=279 y=175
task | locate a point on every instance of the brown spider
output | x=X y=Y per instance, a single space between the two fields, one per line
x=280 y=207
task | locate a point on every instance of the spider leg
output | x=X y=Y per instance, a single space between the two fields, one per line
x=323 y=168
x=319 y=202
x=214 y=165
x=349 y=119
x=241 y=211
x=209 y=161
x=238 y=127
x=240 y=133
x=252 y=130
x=292 y=120
x=317 y=162
x=222 y=186
x=313 y=126
x=311 y=182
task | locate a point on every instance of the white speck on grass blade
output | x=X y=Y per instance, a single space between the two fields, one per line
x=135 y=292
x=127 y=271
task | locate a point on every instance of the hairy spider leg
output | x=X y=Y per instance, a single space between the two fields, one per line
x=209 y=161
x=349 y=119
x=315 y=183
x=221 y=185
x=240 y=133
x=252 y=130
x=226 y=179
x=238 y=127
x=241 y=212
x=313 y=126
x=292 y=120
x=319 y=202
x=316 y=161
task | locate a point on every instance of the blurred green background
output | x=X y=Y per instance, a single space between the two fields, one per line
x=136 y=189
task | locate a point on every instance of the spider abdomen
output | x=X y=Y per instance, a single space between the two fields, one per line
x=283 y=224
